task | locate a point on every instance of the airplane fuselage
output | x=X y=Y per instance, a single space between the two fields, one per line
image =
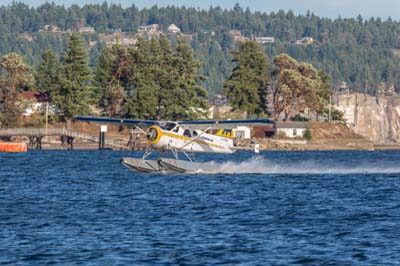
x=185 y=139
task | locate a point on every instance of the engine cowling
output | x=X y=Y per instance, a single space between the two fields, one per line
x=153 y=135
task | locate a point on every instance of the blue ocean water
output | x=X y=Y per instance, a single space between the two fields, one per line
x=275 y=208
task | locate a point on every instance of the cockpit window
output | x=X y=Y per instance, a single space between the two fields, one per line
x=167 y=126
x=195 y=133
x=187 y=133
x=176 y=129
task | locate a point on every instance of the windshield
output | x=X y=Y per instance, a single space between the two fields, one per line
x=167 y=126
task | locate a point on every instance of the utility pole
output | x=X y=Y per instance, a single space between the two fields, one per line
x=47 y=115
x=330 y=109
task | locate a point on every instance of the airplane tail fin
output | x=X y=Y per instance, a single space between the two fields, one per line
x=225 y=132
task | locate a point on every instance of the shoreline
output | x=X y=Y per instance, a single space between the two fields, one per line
x=270 y=146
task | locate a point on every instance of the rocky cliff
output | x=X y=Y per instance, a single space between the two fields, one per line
x=376 y=118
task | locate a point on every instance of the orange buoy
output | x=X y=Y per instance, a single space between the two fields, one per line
x=13 y=147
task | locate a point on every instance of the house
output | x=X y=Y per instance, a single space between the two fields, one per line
x=149 y=28
x=36 y=102
x=173 y=29
x=242 y=132
x=86 y=30
x=264 y=40
x=291 y=129
x=50 y=28
x=264 y=131
x=342 y=88
x=218 y=100
x=305 y=41
x=237 y=36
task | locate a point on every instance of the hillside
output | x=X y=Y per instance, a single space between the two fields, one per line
x=360 y=53
x=325 y=136
x=376 y=118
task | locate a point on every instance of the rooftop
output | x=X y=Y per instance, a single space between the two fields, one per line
x=37 y=96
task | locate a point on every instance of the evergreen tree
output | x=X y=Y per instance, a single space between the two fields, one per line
x=246 y=88
x=165 y=82
x=107 y=85
x=161 y=52
x=47 y=74
x=192 y=97
x=74 y=95
x=362 y=53
x=141 y=101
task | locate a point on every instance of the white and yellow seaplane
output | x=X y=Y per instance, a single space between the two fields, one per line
x=180 y=137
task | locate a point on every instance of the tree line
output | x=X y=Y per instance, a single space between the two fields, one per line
x=150 y=81
x=157 y=81
x=363 y=53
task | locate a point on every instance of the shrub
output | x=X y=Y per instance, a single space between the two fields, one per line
x=307 y=134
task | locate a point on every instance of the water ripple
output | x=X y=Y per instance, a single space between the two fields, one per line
x=298 y=208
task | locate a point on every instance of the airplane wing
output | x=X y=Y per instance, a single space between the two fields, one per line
x=218 y=124
x=198 y=124
x=119 y=121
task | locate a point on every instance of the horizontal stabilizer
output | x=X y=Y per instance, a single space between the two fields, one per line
x=225 y=132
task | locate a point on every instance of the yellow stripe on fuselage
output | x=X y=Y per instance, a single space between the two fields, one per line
x=171 y=135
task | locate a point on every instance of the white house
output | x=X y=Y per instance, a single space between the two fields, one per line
x=237 y=35
x=173 y=28
x=305 y=41
x=37 y=102
x=292 y=129
x=242 y=132
x=50 y=28
x=86 y=30
x=149 y=28
x=264 y=40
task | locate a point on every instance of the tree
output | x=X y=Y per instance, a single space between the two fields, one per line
x=164 y=81
x=246 y=88
x=107 y=79
x=47 y=74
x=351 y=50
x=74 y=95
x=15 y=76
x=141 y=101
x=193 y=98
x=297 y=87
x=307 y=134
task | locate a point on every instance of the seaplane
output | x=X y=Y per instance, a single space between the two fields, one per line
x=182 y=140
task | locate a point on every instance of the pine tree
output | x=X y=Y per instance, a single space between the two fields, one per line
x=162 y=70
x=142 y=101
x=47 y=74
x=74 y=94
x=107 y=83
x=192 y=98
x=246 y=88
x=165 y=82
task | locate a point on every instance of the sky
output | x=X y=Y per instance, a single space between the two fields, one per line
x=323 y=8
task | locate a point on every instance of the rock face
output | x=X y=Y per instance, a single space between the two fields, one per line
x=376 y=118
